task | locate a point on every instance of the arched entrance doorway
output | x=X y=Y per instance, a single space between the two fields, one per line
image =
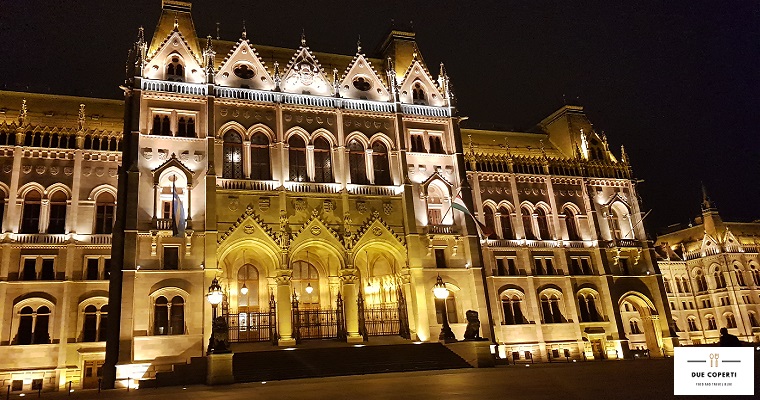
x=382 y=302
x=641 y=324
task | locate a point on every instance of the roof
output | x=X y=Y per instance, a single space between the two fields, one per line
x=62 y=111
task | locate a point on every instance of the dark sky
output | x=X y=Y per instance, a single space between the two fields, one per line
x=677 y=82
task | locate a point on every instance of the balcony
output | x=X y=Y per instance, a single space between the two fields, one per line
x=624 y=243
x=442 y=229
x=41 y=238
x=194 y=89
x=312 y=187
x=246 y=184
x=372 y=190
x=165 y=224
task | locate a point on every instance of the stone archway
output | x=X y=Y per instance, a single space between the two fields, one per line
x=649 y=319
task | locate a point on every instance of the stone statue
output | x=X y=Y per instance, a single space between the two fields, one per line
x=473 y=326
x=219 y=336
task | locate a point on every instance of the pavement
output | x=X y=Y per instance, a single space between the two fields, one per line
x=600 y=380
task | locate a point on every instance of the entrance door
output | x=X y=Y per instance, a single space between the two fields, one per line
x=597 y=348
x=93 y=370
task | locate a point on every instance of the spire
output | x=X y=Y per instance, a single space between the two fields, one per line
x=208 y=58
x=217 y=32
x=176 y=22
x=336 y=83
x=710 y=217
x=139 y=52
x=442 y=76
x=623 y=155
x=22 y=113
x=359 y=45
x=277 y=78
x=707 y=204
x=392 y=84
x=303 y=37
x=81 y=119
x=245 y=34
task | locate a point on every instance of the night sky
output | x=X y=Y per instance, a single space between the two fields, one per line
x=679 y=86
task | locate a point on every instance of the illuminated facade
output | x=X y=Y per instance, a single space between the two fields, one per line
x=311 y=193
x=711 y=274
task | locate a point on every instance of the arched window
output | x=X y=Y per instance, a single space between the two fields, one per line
x=436 y=144
x=489 y=221
x=174 y=70
x=730 y=321
x=711 y=324
x=305 y=275
x=571 y=223
x=322 y=161
x=90 y=328
x=505 y=221
x=297 y=157
x=161 y=316
x=753 y=320
x=755 y=276
x=418 y=94
x=527 y=218
x=691 y=322
x=635 y=330
x=103 y=323
x=260 y=165
x=380 y=164
x=57 y=223
x=177 y=317
x=156 y=130
x=701 y=281
x=37 y=140
x=666 y=282
x=248 y=278
x=418 y=144
x=25 y=326
x=166 y=129
x=550 y=309
x=511 y=305
x=449 y=306
x=2 y=207
x=30 y=218
x=356 y=162
x=720 y=281
x=233 y=156
x=543 y=224
x=33 y=326
x=182 y=127
x=685 y=284
x=588 y=310
x=105 y=209
x=435 y=205
x=739 y=276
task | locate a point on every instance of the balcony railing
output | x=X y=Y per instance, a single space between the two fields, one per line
x=165 y=224
x=624 y=243
x=246 y=184
x=41 y=238
x=366 y=105
x=426 y=111
x=195 y=89
x=442 y=229
x=311 y=187
x=372 y=190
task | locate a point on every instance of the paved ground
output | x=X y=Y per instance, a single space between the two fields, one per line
x=640 y=379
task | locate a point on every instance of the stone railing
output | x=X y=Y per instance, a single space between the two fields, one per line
x=311 y=187
x=164 y=224
x=41 y=238
x=195 y=89
x=425 y=111
x=372 y=190
x=246 y=184
x=442 y=229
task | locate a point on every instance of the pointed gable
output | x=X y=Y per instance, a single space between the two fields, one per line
x=316 y=229
x=418 y=87
x=243 y=67
x=249 y=226
x=375 y=230
x=361 y=81
x=175 y=50
x=304 y=74
x=710 y=245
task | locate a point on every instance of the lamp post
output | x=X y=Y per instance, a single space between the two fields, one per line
x=442 y=293
x=214 y=297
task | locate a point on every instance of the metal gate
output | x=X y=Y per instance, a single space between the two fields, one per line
x=318 y=323
x=253 y=326
x=383 y=319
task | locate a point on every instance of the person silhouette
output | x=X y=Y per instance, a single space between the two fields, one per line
x=728 y=340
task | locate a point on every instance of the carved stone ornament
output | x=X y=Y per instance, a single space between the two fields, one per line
x=234 y=203
x=223 y=112
x=40 y=169
x=87 y=171
x=249 y=229
x=328 y=206
x=68 y=170
x=55 y=170
x=112 y=172
x=387 y=208
x=377 y=231
x=7 y=168
x=100 y=171
x=184 y=156
x=315 y=230
x=299 y=204
x=361 y=206
x=163 y=154
x=264 y=203
x=147 y=153
x=198 y=156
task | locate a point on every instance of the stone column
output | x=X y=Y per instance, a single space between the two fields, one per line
x=653 y=334
x=350 y=307
x=284 y=311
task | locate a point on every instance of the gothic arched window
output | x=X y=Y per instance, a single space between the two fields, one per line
x=356 y=162
x=30 y=219
x=418 y=94
x=248 y=278
x=380 y=164
x=297 y=158
x=174 y=70
x=161 y=316
x=305 y=275
x=511 y=306
x=543 y=224
x=105 y=208
x=322 y=161
x=550 y=309
x=90 y=328
x=260 y=165
x=488 y=218
x=571 y=223
x=505 y=220
x=177 y=316
x=527 y=219
x=233 y=156
x=57 y=223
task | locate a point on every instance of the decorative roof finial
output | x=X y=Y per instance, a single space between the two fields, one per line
x=707 y=203
x=245 y=34
x=303 y=37
x=623 y=155
x=277 y=78
x=217 y=31
x=176 y=22
x=336 y=83
x=22 y=113
x=543 y=150
x=359 y=45
x=81 y=119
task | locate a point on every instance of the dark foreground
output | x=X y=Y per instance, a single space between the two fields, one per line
x=640 y=379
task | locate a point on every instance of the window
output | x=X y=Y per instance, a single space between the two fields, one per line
x=322 y=161
x=753 y=320
x=730 y=321
x=634 y=324
x=260 y=164
x=30 y=269
x=356 y=162
x=233 y=156
x=171 y=257
x=435 y=205
x=666 y=282
x=105 y=209
x=587 y=306
x=755 y=276
x=57 y=223
x=30 y=219
x=161 y=316
x=544 y=266
x=489 y=221
x=550 y=309
x=720 y=281
x=586 y=266
x=692 y=324
x=90 y=327
x=436 y=144
x=48 y=269
x=380 y=164
x=624 y=266
x=418 y=143
x=418 y=94
x=186 y=126
x=672 y=305
x=2 y=208
x=169 y=318
x=92 y=272
x=739 y=276
x=511 y=306
x=711 y=324
x=177 y=316
x=248 y=277
x=174 y=70
x=615 y=224
x=305 y=275
x=297 y=157
x=244 y=71
x=36 y=384
x=505 y=221
x=572 y=225
x=33 y=326
x=440 y=258
x=450 y=307
x=543 y=225
x=701 y=282
x=527 y=219
x=106 y=268
x=361 y=83
x=685 y=285
x=17 y=385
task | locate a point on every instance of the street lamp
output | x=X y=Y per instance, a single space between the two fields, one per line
x=214 y=296
x=441 y=292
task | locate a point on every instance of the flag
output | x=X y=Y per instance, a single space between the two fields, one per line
x=458 y=204
x=178 y=213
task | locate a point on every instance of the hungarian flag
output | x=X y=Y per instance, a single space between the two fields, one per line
x=178 y=213
x=483 y=231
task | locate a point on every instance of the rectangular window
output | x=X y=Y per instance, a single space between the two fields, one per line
x=106 y=268
x=575 y=266
x=683 y=304
x=434 y=216
x=166 y=210
x=57 y=223
x=555 y=353
x=17 y=385
x=550 y=267
x=440 y=258
x=500 y=269
x=30 y=269
x=586 y=266
x=171 y=258
x=515 y=355
x=48 y=269
x=418 y=144
x=538 y=266
x=104 y=218
x=436 y=144
x=672 y=305
x=92 y=272
x=36 y=384
x=624 y=266
x=30 y=220
x=512 y=266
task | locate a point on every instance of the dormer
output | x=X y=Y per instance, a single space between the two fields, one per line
x=417 y=87
x=361 y=81
x=243 y=68
x=174 y=61
x=304 y=74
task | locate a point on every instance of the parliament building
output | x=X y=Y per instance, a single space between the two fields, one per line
x=328 y=194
